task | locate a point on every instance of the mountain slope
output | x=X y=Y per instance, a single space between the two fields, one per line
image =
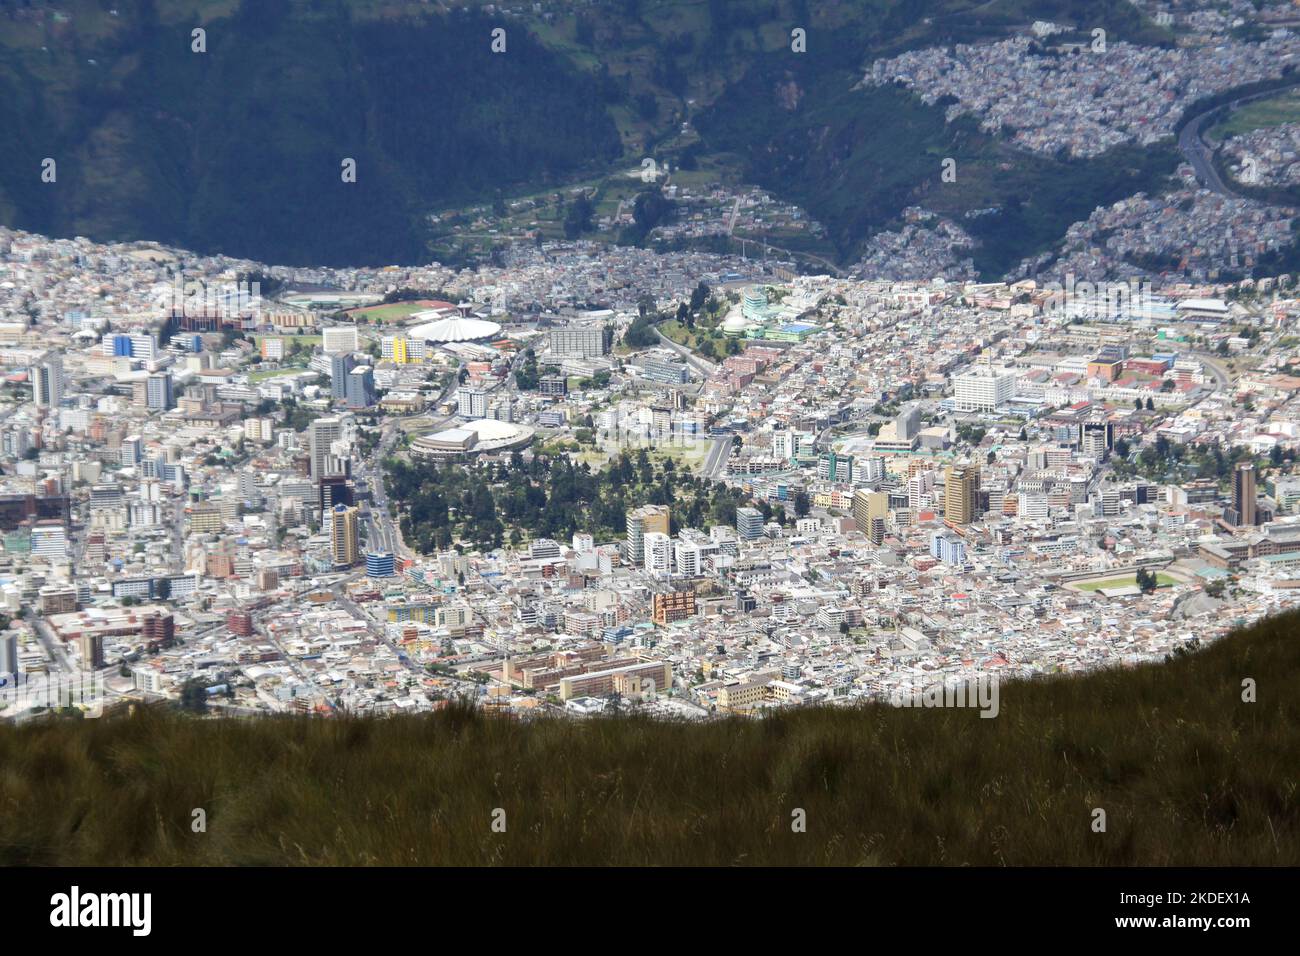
x=1186 y=771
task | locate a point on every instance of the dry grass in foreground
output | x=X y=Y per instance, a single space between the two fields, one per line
x=1186 y=772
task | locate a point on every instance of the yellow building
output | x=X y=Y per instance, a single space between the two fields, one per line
x=960 y=488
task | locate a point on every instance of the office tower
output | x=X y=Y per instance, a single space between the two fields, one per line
x=1244 y=495
x=580 y=342
x=961 y=485
x=47 y=382
x=658 y=553
x=907 y=425
x=336 y=339
x=749 y=524
x=8 y=654
x=640 y=522
x=380 y=564
x=471 y=402
x=334 y=491
x=321 y=435
x=344 y=536
x=870 y=507
x=359 y=388
x=159 y=392
x=340 y=366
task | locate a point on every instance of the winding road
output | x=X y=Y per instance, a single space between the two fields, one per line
x=1192 y=144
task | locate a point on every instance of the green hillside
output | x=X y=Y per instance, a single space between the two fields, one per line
x=238 y=149
x=1187 y=773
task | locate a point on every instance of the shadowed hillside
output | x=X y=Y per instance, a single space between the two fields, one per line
x=1186 y=771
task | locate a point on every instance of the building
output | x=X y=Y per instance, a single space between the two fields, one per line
x=948 y=548
x=49 y=540
x=47 y=382
x=555 y=386
x=640 y=522
x=960 y=493
x=907 y=424
x=160 y=394
x=749 y=524
x=870 y=510
x=8 y=653
x=334 y=490
x=340 y=367
x=619 y=679
x=344 y=536
x=380 y=564
x=580 y=342
x=673 y=606
x=983 y=389
x=336 y=339
x=359 y=387
x=322 y=433
x=1244 y=495
x=471 y=402
x=665 y=371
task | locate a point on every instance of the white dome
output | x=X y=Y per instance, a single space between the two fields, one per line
x=455 y=329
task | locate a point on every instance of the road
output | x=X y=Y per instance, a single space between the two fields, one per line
x=1200 y=155
x=715 y=462
x=700 y=365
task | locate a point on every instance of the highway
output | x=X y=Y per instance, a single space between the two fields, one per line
x=700 y=365
x=1192 y=144
x=715 y=463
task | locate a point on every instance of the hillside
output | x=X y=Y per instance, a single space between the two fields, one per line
x=1186 y=771
x=238 y=149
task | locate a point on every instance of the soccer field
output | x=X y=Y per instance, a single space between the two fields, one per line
x=1128 y=580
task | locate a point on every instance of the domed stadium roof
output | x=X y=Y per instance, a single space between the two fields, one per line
x=454 y=329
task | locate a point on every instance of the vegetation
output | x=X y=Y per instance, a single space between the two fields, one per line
x=238 y=150
x=546 y=496
x=241 y=149
x=1208 y=781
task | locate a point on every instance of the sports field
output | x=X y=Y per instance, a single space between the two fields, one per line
x=393 y=312
x=1127 y=580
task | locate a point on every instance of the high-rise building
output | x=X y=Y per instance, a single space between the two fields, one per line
x=359 y=388
x=8 y=654
x=334 y=491
x=160 y=395
x=868 y=508
x=47 y=382
x=344 y=536
x=580 y=342
x=380 y=564
x=749 y=524
x=471 y=402
x=960 y=491
x=340 y=367
x=322 y=433
x=640 y=522
x=1244 y=494
x=907 y=424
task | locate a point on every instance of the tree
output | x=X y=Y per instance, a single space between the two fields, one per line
x=194 y=696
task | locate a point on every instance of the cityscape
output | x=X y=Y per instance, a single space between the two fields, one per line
x=651 y=434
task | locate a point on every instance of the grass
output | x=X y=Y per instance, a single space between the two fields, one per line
x=1261 y=114
x=393 y=312
x=1130 y=580
x=1187 y=773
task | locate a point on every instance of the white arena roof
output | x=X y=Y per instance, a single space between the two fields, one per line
x=454 y=329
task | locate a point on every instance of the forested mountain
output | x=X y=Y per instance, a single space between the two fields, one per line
x=239 y=149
